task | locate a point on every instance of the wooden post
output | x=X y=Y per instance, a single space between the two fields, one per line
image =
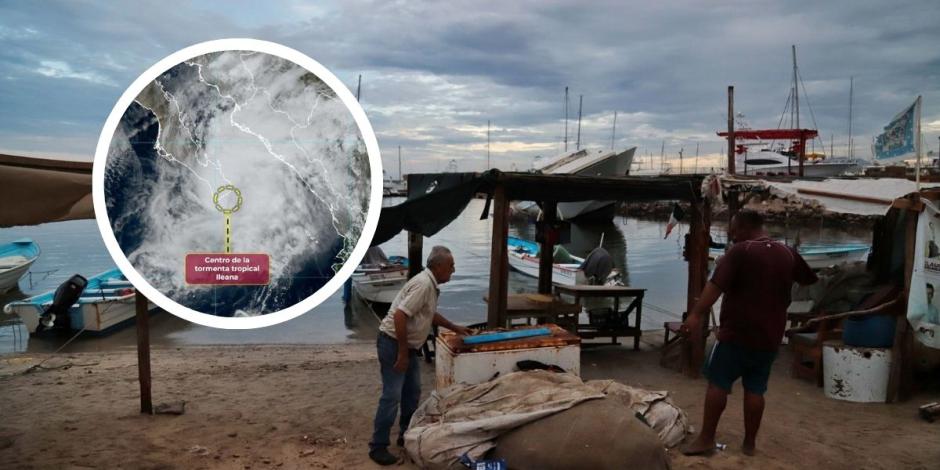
x=499 y=263
x=731 y=130
x=900 y=375
x=415 y=248
x=547 y=248
x=697 y=251
x=734 y=205
x=143 y=352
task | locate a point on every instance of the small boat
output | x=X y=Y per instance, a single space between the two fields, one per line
x=566 y=268
x=107 y=301
x=820 y=256
x=15 y=259
x=379 y=278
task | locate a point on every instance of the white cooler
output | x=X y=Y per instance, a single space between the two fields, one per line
x=854 y=373
x=456 y=362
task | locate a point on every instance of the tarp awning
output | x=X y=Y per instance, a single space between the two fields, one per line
x=862 y=196
x=38 y=190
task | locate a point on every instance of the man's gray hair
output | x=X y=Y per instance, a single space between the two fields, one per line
x=438 y=255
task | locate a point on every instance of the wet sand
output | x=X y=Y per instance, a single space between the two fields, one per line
x=312 y=407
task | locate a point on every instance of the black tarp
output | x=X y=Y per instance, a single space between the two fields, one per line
x=434 y=201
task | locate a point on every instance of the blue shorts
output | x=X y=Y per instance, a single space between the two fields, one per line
x=729 y=361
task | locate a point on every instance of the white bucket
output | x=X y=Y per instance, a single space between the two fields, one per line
x=856 y=374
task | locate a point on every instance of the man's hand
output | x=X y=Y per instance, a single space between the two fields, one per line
x=462 y=330
x=401 y=365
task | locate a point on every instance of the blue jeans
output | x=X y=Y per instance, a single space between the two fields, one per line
x=397 y=388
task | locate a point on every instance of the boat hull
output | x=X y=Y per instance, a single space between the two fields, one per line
x=381 y=287
x=10 y=278
x=15 y=259
x=562 y=274
x=819 y=257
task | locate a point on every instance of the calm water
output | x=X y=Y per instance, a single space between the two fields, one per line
x=638 y=248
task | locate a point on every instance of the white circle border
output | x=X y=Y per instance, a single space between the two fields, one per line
x=100 y=162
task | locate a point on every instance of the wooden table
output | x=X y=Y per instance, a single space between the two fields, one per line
x=620 y=326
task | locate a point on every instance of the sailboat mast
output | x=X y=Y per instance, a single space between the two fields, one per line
x=566 y=119
x=580 y=103
x=613 y=132
x=358 y=87
x=851 y=152
x=796 y=91
x=399 y=164
x=487 y=144
x=662 y=157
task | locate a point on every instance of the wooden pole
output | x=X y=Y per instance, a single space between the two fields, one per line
x=697 y=251
x=415 y=249
x=143 y=352
x=900 y=374
x=499 y=262
x=731 y=130
x=547 y=248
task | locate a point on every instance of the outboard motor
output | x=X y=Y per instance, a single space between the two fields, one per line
x=65 y=296
x=597 y=266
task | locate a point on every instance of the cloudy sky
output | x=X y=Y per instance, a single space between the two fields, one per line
x=433 y=74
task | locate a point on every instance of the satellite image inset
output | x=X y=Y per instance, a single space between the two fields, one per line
x=237 y=183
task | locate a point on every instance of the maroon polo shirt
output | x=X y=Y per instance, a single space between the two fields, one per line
x=756 y=277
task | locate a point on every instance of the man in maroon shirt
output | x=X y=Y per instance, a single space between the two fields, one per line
x=756 y=276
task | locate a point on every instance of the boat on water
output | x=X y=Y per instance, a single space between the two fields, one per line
x=819 y=256
x=772 y=159
x=107 y=301
x=584 y=162
x=567 y=269
x=379 y=278
x=15 y=259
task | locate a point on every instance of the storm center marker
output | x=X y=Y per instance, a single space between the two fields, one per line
x=227 y=212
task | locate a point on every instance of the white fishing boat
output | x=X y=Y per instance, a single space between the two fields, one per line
x=770 y=159
x=107 y=301
x=820 y=256
x=379 y=278
x=15 y=259
x=584 y=162
x=566 y=270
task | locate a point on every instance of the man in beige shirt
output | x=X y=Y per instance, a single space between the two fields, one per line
x=403 y=331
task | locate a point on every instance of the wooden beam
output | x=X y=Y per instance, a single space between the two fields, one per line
x=547 y=248
x=143 y=352
x=415 y=249
x=499 y=262
x=900 y=374
x=907 y=204
x=848 y=197
x=697 y=252
x=731 y=141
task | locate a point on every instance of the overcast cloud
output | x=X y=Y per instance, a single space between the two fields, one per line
x=434 y=73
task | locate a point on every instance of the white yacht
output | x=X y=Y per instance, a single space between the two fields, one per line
x=769 y=159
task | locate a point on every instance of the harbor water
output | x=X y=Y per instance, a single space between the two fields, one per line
x=640 y=251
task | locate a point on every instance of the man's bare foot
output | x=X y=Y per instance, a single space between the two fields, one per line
x=699 y=447
x=748 y=449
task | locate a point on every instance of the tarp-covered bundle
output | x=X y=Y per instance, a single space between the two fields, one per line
x=38 y=190
x=471 y=418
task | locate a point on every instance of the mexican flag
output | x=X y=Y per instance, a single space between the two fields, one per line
x=674 y=218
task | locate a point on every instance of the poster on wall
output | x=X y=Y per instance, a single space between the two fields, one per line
x=923 y=311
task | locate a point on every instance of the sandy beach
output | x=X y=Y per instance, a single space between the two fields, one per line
x=312 y=407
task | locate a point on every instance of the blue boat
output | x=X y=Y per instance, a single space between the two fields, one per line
x=107 y=302
x=15 y=259
x=820 y=256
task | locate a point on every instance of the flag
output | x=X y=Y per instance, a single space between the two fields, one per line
x=674 y=218
x=899 y=140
